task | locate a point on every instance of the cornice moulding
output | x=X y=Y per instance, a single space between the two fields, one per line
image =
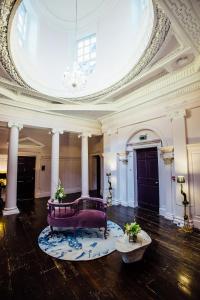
x=165 y=82
x=180 y=83
x=42 y=120
x=152 y=111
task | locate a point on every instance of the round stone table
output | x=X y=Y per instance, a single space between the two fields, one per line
x=132 y=252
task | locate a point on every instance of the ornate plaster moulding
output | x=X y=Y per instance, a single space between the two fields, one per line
x=122 y=156
x=167 y=154
x=161 y=29
x=167 y=149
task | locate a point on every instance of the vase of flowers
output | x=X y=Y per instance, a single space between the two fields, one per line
x=60 y=192
x=132 y=230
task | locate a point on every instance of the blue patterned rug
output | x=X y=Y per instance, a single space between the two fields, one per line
x=88 y=243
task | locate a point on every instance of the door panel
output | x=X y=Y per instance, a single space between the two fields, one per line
x=147 y=178
x=25 y=178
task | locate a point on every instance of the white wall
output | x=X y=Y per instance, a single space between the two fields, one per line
x=177 y=127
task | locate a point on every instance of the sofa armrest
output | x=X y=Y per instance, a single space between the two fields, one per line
x=91 y=203
x=57 y=210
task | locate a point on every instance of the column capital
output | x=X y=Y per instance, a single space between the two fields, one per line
x=111 y=131
x=176 y=114
x=56 y=130
x=15 y=124
x=85 y=134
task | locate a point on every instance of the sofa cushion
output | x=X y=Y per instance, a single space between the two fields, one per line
x=91 y=218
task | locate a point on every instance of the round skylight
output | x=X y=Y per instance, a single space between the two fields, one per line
x=112 y=36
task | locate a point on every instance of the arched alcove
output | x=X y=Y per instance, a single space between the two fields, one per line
x=142 y=140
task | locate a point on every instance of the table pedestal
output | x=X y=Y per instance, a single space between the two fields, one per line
x=132 y=252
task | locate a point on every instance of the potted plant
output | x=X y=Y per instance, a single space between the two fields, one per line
x=132 y=230
x=60 y=193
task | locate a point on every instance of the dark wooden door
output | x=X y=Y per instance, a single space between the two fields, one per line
x=147 y=178
x=26 y=178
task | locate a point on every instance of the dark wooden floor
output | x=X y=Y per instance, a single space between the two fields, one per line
x=170 y=269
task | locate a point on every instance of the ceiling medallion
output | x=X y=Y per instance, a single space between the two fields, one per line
x=161 y=28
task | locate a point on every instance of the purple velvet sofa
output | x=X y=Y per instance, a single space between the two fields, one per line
x=85 y=212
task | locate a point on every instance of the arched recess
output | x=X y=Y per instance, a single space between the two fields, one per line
x=127 y=168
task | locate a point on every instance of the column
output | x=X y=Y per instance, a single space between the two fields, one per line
x=84 y=165
x=122 y=178
x=55 y=160
x=11 y=197
x=130 y=180
x=166 y=191
x=180 y=158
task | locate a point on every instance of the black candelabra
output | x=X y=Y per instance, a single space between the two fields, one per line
x=109 y=197
x=185 y=202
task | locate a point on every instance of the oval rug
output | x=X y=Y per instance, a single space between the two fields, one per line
x=88 y=244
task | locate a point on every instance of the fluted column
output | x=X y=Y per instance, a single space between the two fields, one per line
x=11 y=197
x=55 y=160
x=84 y=165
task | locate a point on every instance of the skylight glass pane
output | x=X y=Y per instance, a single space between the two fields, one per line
x=80 y=44
x=86 y=53
x=22 y=23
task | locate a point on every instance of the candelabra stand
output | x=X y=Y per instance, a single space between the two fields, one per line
x=187 y=227
x=109 y=197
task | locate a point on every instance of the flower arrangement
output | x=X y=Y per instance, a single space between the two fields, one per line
x=132 y=230
x=60 y=192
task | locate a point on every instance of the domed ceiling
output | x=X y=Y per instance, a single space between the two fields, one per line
x=113 y=42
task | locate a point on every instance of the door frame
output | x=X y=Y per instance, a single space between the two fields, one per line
x=144 y=146
x=37 y=169
x=101 y=170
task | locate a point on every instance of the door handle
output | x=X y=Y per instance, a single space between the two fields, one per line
x=156 y=182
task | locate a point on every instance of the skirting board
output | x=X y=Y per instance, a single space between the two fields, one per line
x=162 y=211
x=196 y=222
x=169 y=216
x=115 y=202
x=179 y=221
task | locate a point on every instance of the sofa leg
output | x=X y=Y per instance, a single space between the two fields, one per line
x=105 y=233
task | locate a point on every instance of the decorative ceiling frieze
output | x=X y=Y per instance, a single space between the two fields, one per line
x=161 y=28
x=186 y=16
x=6 y=7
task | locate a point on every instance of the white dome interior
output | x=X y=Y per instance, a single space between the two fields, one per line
x=45 y=45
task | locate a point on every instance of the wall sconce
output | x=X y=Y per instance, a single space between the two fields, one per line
x=186 y=227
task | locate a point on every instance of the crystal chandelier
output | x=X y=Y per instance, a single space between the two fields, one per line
x=75 y=78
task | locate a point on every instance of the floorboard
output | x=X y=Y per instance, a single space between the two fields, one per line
x=170 y=268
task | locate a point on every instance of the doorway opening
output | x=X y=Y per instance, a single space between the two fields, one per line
x=147 y=178
x=26 y=178
x=95 y=176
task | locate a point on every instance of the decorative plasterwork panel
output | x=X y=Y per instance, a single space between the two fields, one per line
x=167 y=153
x=161 y=28
x=5 y=11
x=186 y=13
